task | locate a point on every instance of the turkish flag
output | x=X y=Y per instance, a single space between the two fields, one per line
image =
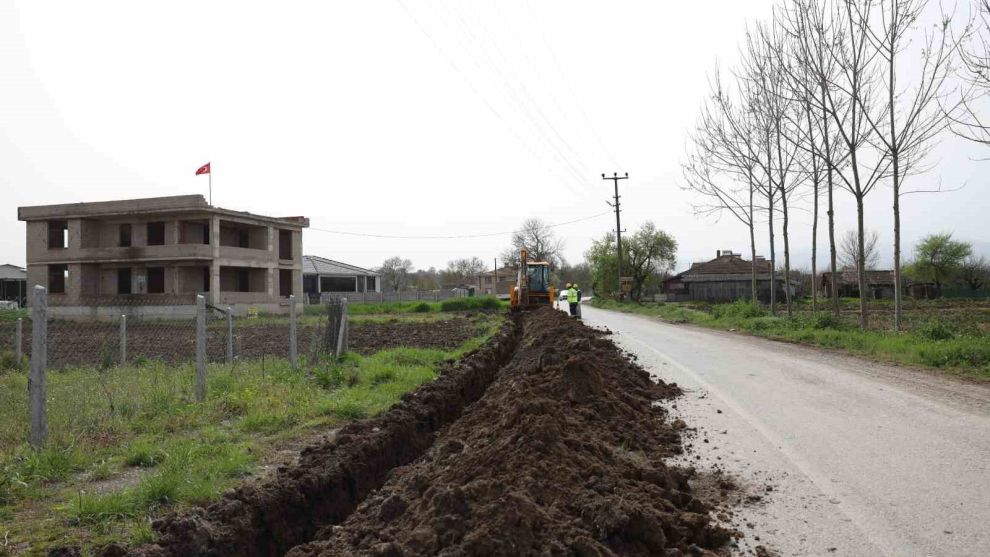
x=205 y=169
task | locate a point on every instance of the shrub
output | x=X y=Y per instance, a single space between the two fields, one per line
x=965 y=352
x=934 y=330
x=826 y=321
x=421 y=307
x=454 y=304
x=742 y=309
x=8 y=361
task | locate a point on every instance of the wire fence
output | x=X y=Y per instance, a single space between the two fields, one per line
x=387 y=297
x=46 y=339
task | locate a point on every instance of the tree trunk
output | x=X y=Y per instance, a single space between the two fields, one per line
x=827 y=142
x=773 y=266
x=787 y=256
x=895 y=159
x=752 y=244
x=861 y=263
x=815 y=179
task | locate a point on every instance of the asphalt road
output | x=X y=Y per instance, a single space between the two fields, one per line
x=861 y=458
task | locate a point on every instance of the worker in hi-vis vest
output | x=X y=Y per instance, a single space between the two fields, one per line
x=572 y=299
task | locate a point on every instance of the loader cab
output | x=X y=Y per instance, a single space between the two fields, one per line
x=538 y=277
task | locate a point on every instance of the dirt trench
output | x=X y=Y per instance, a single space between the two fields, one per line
x=546 y=441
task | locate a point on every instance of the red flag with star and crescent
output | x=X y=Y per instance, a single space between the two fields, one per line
x=205 y=169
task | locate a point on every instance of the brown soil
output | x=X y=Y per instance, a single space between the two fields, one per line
x=555 y=448
x=564 y=455
x=93 y=343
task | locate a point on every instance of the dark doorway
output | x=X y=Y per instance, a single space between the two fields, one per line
x=124 y=280
x=156 y=280
x=244 y=280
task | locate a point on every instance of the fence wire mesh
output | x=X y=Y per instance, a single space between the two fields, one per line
x=124 y=335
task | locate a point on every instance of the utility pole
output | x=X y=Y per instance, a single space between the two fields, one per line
x=618 y=226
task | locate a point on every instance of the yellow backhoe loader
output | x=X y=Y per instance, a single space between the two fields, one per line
x=532 y=288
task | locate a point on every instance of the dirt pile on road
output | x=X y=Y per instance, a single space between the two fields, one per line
x=562 y=456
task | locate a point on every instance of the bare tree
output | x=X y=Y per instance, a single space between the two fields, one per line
x=460 y=270
x=975 y=272
x=975 y=57
x=767 y=53
x=813 y=26
x=852 y=104
x=395 y=272
x=913 y=116
x=540 y=242
x=722 y=167
x=849 y=250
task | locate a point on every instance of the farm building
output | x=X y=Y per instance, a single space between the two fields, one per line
x=326 y=275
x=495 y=283
x=726 y=278
x=13 y=284
x=879 y=283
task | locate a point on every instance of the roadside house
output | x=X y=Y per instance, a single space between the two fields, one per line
x=326 y=275
x=879 y=283
x=13 y=284
x=494 y=283
x=726 y=278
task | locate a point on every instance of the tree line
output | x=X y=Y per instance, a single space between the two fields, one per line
x=830 y=97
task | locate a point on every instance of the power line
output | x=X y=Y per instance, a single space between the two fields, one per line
x=447 y=237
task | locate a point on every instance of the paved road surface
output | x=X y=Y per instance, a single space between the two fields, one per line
x=863 y=459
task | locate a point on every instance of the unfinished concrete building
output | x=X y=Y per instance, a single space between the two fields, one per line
x=153 y=256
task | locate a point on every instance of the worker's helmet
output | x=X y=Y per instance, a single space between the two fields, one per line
x=568 y=285
x=575 y=285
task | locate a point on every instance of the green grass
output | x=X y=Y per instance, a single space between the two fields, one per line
x=954 y=340
x=453 y=304
x=13 y=314
x=131 y=443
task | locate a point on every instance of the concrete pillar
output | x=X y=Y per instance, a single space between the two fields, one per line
x=37 y=381
x=123 y=340
x=200 y=349
x=230 y=335
x=293 y=356
x=18 y=342
x=214 y=294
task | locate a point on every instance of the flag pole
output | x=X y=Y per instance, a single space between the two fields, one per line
x=211 y=184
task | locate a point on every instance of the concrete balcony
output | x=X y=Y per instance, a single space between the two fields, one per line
x=131 y=254
x=246 y=257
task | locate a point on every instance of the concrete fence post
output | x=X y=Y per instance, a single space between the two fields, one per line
x=19 y=341
x=381 y=297
x=293 y=356
x=37 y=382
x=230 y=335
x=200 y=348
x=123 y=339
x=342 y=330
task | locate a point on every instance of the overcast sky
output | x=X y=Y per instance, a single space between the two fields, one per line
x=396 y=118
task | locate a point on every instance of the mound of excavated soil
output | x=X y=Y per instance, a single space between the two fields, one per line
x=563 y=455
x=272 y=515
x=548 y=442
